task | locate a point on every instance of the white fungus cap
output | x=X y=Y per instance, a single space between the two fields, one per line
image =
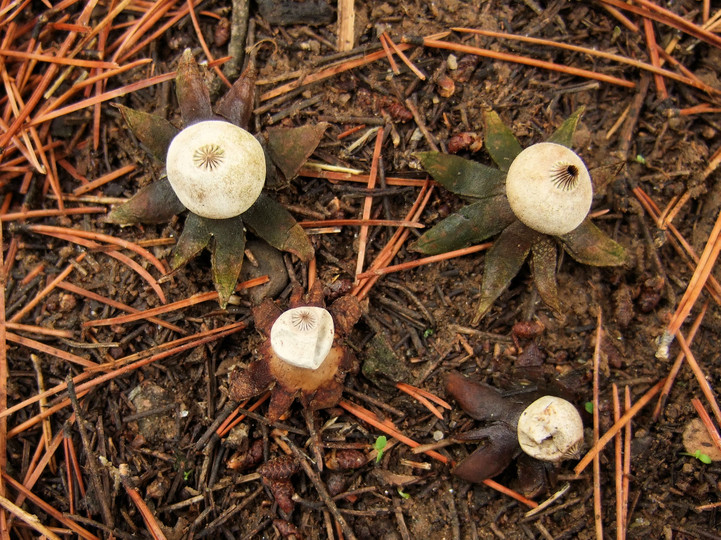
x=550 y=429
x=216 y=169
x=303 y=336
x=549 y=188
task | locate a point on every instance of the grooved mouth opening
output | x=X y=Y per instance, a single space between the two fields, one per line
x=208 y=157
x=304 y=320
x=564 y=176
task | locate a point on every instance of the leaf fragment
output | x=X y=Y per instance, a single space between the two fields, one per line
x=543 y=268
x=564 y=134
x=192 y=93
x=194 y=238
x=227 y=254
x=236 y=105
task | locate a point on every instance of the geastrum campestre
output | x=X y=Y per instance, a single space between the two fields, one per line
x=537 y=429
x=537 y=198
x=303 y=354
x=215 y=169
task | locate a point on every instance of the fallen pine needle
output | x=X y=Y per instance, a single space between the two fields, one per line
x=186 y=302
x=616 y=427
x=426 y=260
x=30 y=519
x=369 y=417
x=707 y=422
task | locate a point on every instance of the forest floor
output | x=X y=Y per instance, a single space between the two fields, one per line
x=122 y=427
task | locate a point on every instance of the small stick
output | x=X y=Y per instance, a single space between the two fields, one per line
x=626 y=460
x=90 y=455
x=46 y=507
x=407 y=61
x=700 y=376
x=225 y=430
x=122 y=171
x=368 y=202
x=187 y=302
x=47 y=290
x=514 y=58
x=52 y=212
x=3 y=380
x=43 y=403
x=618 y=464
x=30 y=519
x=597 y=510
x=653 y=53
x=384 y=41
x=321 y=489
x=238 y=36
x=426 y=260
x=140 y=359
x=671 y=377
x=421 y=124
x=412 y=391
x=118 y=305
x=346 y=25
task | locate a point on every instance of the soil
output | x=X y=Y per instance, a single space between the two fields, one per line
x=155 y=424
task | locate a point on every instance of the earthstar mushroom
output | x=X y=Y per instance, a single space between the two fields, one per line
x=303 y=354
x=537 y=430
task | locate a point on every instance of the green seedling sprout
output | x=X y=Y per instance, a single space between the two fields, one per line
x=703 y=458
x=379 y=445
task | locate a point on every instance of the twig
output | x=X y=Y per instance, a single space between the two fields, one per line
x=321 y=489
x=597 y=510
x=653 y=68
x=626 y=460
x=425 y=260
x=671 y=377
x=700 y=376
x=46 y=507
x=90 y=455
x=30 y=519
x=3 y=382
x=618 y=464
x=180 y=304
x=238 y=35
x=346 y=25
